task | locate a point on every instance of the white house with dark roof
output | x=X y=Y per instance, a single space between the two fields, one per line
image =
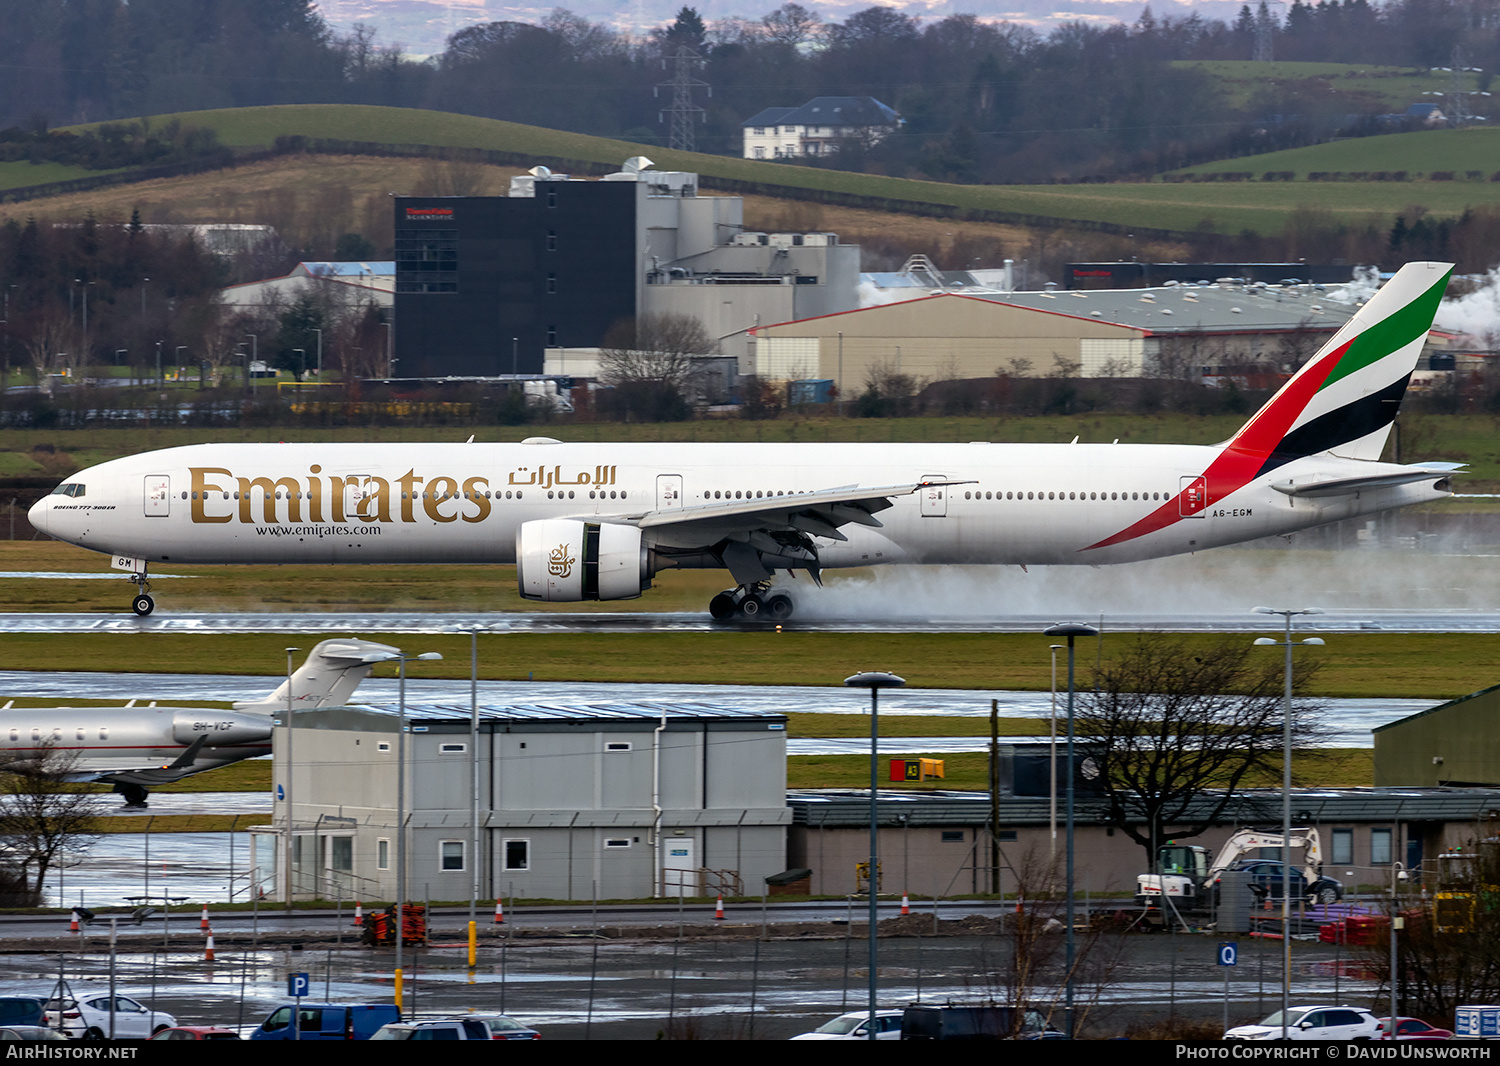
x=816 y=128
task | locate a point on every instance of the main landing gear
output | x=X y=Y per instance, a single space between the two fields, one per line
x=142 y=603
x=751 y=603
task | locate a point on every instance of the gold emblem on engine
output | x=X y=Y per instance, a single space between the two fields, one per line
x=559 y=562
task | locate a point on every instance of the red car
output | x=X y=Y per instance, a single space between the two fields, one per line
x=197 y=1032
x=1413 y=1029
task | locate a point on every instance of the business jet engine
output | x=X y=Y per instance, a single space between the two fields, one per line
x=565 y=559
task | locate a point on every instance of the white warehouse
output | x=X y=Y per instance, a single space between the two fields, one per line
x=627 y=800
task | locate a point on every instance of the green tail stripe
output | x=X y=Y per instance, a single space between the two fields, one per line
x=1390 y=334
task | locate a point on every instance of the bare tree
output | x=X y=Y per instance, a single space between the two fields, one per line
x=42 y=816
x=656 y=349
x=649 y=363
x=1174 y=730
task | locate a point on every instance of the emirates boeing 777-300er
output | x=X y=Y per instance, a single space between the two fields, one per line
x=596 y=521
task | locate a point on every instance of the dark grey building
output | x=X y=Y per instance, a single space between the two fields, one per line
x=484 y=284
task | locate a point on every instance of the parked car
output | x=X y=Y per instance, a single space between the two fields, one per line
x=21 y=1010
x=29 y=1032
x=855 y=1026
x=1265 y=882
x=502 y=1027
x=89 y=1018
x=989 y=1021
x=326 y=1021
x=1312 y=1023
x=435 y=1029
x=1413 y=1029
x=196 y=1032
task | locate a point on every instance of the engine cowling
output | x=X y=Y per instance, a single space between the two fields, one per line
x=565 y=559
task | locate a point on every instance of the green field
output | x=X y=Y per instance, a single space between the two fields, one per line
x=1223 y=208
x=1357 y=88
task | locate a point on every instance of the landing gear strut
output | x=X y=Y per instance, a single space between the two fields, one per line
x=142 y=604
x=757 y=602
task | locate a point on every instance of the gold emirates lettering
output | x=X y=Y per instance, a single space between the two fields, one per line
x=219 y=495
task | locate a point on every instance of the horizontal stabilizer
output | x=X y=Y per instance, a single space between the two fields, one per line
x=1319 y=485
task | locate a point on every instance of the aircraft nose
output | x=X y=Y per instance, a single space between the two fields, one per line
x=39 y=513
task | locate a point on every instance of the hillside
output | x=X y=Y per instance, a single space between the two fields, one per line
x=1231 y=207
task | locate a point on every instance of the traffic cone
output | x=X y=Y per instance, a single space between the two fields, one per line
x=719 y=910
x=499 y=912
x=905 y=905
x=359 y=914
x=73 y=923
x=203 y=921
x=208 y=950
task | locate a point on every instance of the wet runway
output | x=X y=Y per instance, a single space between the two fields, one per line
x=1333 y=620
x=1349 y=721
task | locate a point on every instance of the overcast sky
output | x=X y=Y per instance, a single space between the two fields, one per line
x=422 y=25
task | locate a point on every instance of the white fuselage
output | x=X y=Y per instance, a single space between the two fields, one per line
x=87 y=743
x=462 y=503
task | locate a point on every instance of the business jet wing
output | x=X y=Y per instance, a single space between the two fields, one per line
x=755 y=537
x=1316 y=485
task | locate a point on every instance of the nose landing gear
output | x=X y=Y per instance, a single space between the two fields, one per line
x=142 y=603
x=757 y=602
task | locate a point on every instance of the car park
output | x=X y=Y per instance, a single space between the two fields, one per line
x=855 y=1026
x=1413 y=1029
x=91 y=1017
x=1312 y=1023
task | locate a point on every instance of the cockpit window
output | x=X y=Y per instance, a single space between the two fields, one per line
x=72 y=488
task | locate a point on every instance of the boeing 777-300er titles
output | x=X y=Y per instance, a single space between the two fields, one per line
x=596 y=521
x=134 y=748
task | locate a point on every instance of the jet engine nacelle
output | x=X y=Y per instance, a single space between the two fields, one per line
x=565 y=559
x=224 y=729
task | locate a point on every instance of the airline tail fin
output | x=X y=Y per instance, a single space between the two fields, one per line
x=328 y=678
x=1345 y=398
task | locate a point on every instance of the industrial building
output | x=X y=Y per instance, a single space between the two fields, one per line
x=484 y=285
x=1453 y=744
x=1190 y=332
x=938 y=842
x=610 y=800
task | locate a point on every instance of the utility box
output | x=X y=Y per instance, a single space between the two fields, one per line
x=916 y=769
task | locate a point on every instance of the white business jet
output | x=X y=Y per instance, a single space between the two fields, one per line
x=135 y=748
x=596 y=521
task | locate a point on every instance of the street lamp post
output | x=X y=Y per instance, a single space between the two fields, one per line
x=1398 y=873
x=401 y=658
x=874 y=681
x=319 y=332
x=1071 y=630
x=1052 y=759
x=288 y=881
x=1286 y=799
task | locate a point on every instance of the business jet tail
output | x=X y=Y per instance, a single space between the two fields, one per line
x=328 y=678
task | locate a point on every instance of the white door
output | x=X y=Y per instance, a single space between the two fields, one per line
x=934 y=497
x=158 y=495
x=679 y=869
x=668 y=491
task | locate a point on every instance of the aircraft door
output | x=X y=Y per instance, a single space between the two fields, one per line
x=1193 y=497
x=158 y=495
x=668 y=491
x=934 y=497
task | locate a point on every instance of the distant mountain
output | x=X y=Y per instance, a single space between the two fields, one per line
x=421 y=26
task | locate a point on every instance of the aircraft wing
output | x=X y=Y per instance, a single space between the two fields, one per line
x=754 y=537
x=1316 y=485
